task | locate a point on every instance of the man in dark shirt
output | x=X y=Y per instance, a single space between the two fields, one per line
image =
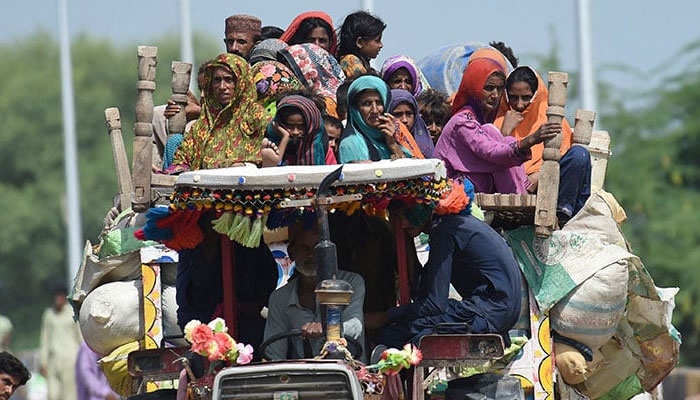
x=469 y=254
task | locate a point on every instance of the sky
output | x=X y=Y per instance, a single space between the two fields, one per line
x=642 y=34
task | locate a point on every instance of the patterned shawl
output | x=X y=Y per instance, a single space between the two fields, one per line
x=314 y=67
x=353 y=65
x=273 y=78
x=394 y=63
x=420 y=130
x=225 y=134
x=313 y=146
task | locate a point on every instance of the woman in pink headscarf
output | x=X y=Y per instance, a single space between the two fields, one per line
x=472 y=147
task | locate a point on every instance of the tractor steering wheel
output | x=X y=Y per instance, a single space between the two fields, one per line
x=353 y=345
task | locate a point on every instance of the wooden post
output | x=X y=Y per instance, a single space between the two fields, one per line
x=402 y=264
x=143 y=128
x=180 y=84
x=121 y=163
x=583 y=127
x=548 y=187
x=228 y=276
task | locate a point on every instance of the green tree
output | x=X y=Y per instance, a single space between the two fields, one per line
x=654 y=173
x=32 y=245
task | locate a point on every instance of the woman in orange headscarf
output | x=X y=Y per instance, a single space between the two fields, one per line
x=487 y=53
x=524 y=113
x=471 y=146
x=312 y=27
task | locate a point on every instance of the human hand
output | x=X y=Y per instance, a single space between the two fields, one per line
x=511 y=121
x=534 y=179
x=389 y=127
x=548 y=130
x=192 y=111
x=171 y=109
x=112 y=396
x=282 y=131
x=108 y=221
x=311 y=330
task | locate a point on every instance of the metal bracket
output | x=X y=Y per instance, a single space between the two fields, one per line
x=324 y=200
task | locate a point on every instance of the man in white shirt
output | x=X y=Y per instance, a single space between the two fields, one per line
x=294 y=306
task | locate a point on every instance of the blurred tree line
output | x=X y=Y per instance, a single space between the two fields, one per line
x=32 y=200
x=654 y=171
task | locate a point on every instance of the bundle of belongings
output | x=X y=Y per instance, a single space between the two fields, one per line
x=107 y=295
x=611 y=325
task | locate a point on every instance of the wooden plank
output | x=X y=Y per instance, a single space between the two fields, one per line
x=121 y=162
x=163 y=180
x=548 y=187
x=228 y=275
x=180 y=84
x=505 y=201
x=143 y=128
x=583 y=127
x=402 y=263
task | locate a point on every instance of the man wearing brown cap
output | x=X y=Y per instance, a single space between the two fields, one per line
x=242 y=32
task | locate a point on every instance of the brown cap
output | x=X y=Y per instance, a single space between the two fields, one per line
x=243 y=23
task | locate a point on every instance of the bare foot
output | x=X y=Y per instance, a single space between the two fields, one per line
x=268 y=144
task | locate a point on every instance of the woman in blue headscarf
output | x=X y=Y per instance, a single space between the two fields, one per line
x=404 y=107
x=371 y=133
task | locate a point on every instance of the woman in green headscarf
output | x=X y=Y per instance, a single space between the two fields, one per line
x=371 y=133
x=231 y=126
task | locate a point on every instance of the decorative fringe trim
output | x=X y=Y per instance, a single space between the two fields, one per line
x=223 y=224
x=455 y=201
x=176 y=229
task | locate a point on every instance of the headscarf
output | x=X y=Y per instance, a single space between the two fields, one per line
x=444 y=68
x=533 y=117
x=294 y=26
x=470 y=89
x=266 y=50
x=394 y=63
x=359 y=141
x=313 y=146
x=420 y=129
x=244 y=23
x=225 y=135
x=491 y=54
x=315 y=68
x=271 y=79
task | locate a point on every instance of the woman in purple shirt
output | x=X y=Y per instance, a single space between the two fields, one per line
x=472 y=147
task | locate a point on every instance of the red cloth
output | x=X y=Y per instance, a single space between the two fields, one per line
x=471 y=86
x=294 y=26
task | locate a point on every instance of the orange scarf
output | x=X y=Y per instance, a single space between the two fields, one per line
x=405 y=139
x=533 y=117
